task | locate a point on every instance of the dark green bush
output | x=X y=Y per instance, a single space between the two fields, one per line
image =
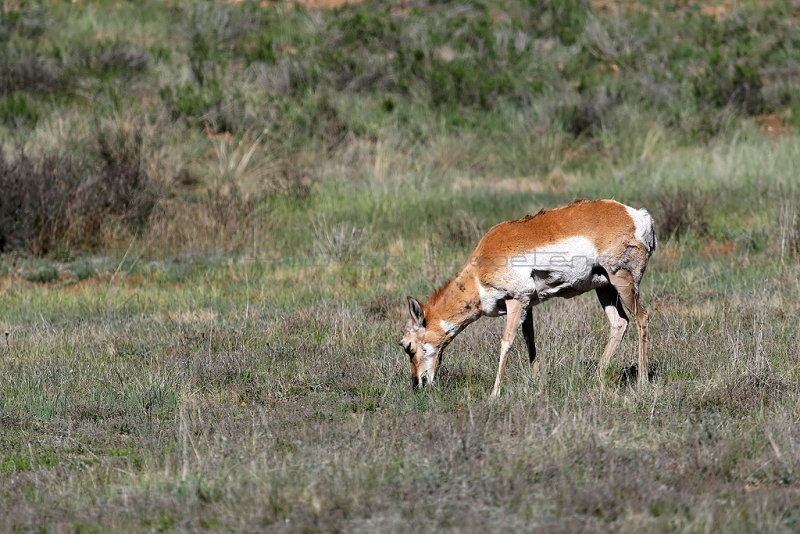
x=191 y=102
x=564 y=19
x=736 y=85
x=263 y=50
x=17 y=110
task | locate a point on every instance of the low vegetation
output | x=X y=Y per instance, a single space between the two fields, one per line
x=211 y=213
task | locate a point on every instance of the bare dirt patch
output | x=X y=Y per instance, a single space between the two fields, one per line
x=772 y=126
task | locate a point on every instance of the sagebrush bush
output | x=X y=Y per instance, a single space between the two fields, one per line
x=57 y=199
x=210 y=31
x=115 y=58
x=32 y=204
x=43 y=275
x=30 y=71
x=680 y=211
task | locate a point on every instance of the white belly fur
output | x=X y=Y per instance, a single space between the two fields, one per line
x=564 y=268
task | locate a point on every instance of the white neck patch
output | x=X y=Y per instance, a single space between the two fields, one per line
x=449 y=328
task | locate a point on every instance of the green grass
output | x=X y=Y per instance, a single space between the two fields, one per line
x=226 y=359
x=221 y=392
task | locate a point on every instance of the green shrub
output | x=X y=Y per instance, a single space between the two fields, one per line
x=191 y=102
x=17 y=110
x=563 y=19
x=84 y=271
x=737 y=85
x=42 y=275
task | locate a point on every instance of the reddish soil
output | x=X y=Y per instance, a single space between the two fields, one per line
x=771 y=125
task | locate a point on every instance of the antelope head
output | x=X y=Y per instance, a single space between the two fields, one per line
x=423 y=345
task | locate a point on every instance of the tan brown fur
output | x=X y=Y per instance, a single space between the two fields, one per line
x=602 y=221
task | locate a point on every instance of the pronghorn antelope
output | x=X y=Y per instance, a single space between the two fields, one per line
x=601 y=245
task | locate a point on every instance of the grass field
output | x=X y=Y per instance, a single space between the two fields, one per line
x=212 y=212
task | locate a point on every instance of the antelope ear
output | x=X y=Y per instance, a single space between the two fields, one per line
x=415 y=309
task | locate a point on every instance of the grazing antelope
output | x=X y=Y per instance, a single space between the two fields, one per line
x=601 y=245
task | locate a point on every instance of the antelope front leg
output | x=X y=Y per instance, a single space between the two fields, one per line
x=513 y=319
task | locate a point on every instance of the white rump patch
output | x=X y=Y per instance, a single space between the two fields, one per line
x=644 y=228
